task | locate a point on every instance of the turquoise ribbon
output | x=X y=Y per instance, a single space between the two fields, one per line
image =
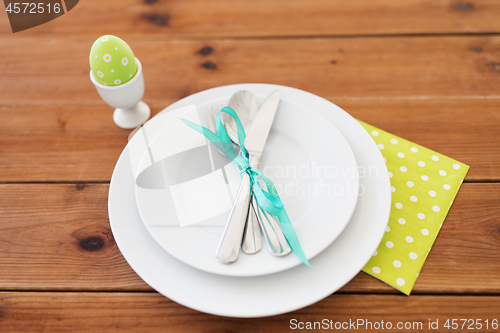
x=267 y=201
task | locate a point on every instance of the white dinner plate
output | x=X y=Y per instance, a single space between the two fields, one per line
x=185 y=192
x=269 y=294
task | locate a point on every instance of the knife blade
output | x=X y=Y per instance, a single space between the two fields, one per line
x=229 y=246
x=261 y=126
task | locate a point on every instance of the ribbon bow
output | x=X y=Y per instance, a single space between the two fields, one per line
x=267 y=201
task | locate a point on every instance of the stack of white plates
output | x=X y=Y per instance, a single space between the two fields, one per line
x=332 y=180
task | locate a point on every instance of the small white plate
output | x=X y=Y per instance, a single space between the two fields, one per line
x=269 y=294
x=306 y=157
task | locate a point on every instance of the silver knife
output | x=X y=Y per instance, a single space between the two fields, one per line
x=229 y=246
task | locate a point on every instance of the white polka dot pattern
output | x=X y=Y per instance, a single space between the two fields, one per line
x=423 y=186
x=112 y=56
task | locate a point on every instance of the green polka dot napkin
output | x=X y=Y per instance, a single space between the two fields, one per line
x=423 y=184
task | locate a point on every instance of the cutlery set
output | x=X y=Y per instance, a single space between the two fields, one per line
x=243 y=228
x=170 y=233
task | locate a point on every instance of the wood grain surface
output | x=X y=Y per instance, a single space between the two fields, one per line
x=240 y=18
x=72 y=143
x=71 y=246
x=378 y=68
x=427 y=71
x=151 y=312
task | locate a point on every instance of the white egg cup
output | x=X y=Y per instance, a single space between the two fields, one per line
x=130 y=111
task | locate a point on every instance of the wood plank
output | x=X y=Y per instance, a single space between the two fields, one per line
x=57 y=237
x=198 y=18
x=151 y=312
x=81 y=143
x=466 y=130
x=59 y=143
x=63 y=239
x=336 y=68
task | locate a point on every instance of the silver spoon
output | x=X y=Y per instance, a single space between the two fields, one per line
x=246 y=105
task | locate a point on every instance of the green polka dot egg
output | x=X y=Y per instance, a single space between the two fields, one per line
x=112 y=61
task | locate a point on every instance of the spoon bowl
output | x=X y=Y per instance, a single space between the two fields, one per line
x=246 y=105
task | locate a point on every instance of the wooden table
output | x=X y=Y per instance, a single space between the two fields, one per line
x=428 y=71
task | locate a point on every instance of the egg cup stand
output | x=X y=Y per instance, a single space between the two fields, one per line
x=130 y=111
